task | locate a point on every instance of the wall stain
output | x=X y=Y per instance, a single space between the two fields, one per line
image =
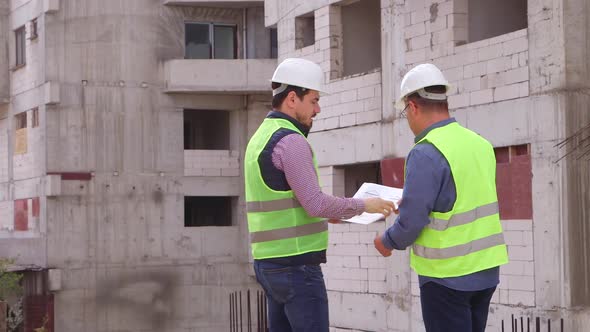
x=433 y=12
x=146 y=297
x=158 y=196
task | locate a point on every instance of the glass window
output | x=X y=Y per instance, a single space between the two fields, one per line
x=210 y=41
x=20 y=46
x=20 y=120
x=274 y=50
x=197 y=44
x=224 y=42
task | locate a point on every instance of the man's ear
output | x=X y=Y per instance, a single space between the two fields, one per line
x=413 y=106
x=290 y=99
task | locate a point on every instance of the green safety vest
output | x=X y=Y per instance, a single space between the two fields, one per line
x=279 y=226
x=468 y=238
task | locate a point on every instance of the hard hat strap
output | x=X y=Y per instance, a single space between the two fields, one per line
x=280 y=89
x=432 y=96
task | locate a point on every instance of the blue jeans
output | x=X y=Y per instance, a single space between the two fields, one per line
x=445 y=309
x=296 y=297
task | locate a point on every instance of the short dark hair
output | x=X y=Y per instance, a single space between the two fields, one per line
x=278 y=99
x=415 y=97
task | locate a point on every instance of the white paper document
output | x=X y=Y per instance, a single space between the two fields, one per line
x=368 y=190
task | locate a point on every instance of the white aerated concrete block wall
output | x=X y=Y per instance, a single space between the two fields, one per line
x=481 y=72
x=351 y=101
x=517 y=278
x=211 y=163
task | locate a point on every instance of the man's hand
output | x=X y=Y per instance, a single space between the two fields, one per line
x=380 y=247
x=396 y=211
x=378 y=205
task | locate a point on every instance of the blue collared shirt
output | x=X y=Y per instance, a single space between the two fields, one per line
x=429 y=186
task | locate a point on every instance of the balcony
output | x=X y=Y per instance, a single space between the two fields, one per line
x=219 y=76
x=215 y=3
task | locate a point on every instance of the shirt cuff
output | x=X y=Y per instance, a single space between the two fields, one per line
x=359 y=206
x=387 y=241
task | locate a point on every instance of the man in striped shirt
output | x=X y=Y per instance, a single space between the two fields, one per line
x=286 y=207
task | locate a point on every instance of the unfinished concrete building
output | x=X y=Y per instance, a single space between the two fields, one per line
x=123 y=125
x=122 y=129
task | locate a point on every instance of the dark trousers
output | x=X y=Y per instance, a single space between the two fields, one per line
x=448 y=310
x=296 y=297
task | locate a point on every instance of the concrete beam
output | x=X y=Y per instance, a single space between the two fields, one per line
x=215 y=3
x=53 y=185
x=240 y=76
x=51 y=90
x=50 y=6
x=54 y=276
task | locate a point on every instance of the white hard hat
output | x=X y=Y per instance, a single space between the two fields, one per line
x=417 y=79
x=298 y=72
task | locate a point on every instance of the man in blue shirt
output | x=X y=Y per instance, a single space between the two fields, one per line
x=458 y=303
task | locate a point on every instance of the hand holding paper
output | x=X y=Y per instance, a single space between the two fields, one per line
x=368 y=190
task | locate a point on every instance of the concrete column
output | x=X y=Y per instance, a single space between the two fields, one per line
x=559 y=68
x=577 y=167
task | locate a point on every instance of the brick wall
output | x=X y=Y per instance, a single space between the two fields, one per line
x=26 y=214
x=482 y=72
x=20 y=215
x=514 y=182
x=39 y=312
x=353 y=100
x=517 y=278
x=353 y=263
x=211 y=163
x=392 y=172
x=332 y=180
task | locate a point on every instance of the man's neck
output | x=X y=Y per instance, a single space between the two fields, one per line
x=288 y=111
x=277 y=113
x=435 y=117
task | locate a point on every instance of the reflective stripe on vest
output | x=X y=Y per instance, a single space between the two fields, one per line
x=275 y=205
x=286 y=233
x=460 y=250
x=464 y=218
